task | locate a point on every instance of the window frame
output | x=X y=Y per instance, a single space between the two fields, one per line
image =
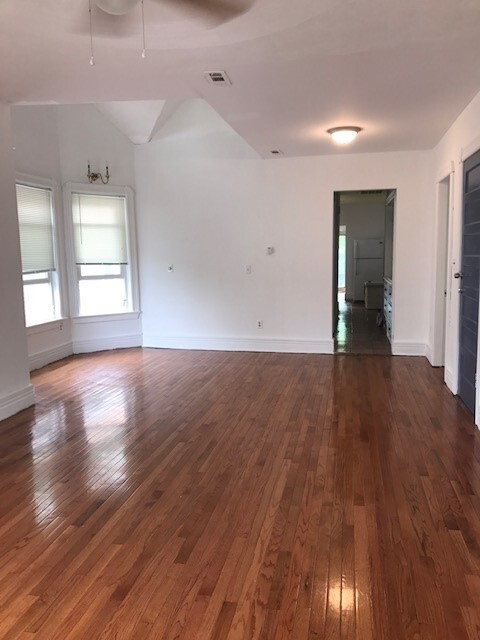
x=131 y=269
x=47 y=280
x=56 y=278
x=107 y=276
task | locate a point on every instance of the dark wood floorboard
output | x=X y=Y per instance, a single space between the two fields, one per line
x=161 y=495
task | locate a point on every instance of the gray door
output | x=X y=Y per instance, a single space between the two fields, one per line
x=469 y=280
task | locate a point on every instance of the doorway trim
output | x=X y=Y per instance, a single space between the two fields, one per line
x=442 y=277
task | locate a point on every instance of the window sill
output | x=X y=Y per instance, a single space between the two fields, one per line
x=112 y=317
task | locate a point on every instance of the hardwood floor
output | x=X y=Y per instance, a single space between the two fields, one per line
x=220 y=496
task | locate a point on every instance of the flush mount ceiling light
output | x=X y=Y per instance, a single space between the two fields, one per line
x=344 y=135
x=116 y=7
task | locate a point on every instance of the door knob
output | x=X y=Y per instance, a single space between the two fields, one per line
x=459 y=274
x=460 y=290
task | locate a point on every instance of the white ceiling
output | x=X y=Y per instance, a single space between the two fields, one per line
x=401 y=69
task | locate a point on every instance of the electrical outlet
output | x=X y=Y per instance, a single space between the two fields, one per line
x=260 y=324
x=248 y=269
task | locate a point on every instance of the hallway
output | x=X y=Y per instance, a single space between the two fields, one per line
x=357 y=330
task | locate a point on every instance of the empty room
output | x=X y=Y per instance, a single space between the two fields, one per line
x=239 y=320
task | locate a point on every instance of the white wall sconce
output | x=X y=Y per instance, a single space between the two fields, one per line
x=93 y=176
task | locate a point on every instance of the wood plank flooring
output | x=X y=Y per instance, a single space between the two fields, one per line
x=157 y=495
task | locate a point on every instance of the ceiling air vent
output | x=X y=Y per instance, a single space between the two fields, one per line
x=220 y=78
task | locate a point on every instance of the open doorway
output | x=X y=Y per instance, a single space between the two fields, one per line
x=363 y=268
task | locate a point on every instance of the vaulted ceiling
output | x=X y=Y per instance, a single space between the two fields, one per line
x=401 y=70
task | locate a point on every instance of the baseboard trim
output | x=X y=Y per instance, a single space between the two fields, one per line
x=42 y=358
x=429 y=354
x=106 y=344
x=14 y=402
x=450 y=380
x=434 y=359
x=267 y=345
x=400 y=348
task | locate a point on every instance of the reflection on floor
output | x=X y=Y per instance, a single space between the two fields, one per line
x=357 y=330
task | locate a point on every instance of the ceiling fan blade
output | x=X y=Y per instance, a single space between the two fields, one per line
x=216 y=11
x=107 y=24
x=104 y=24
x=116 y=7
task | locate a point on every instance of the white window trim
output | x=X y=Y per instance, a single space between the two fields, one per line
x=69 y=189
x=58 y=239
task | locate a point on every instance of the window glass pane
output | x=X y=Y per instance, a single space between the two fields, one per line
x=36 y=228
x=102 y=296
x=35 y=277
x=99 y=229
x=87 y=270
x=39 y=303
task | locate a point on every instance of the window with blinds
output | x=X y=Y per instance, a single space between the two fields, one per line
x=36 y=229
x=99 y=229
x=37 y=243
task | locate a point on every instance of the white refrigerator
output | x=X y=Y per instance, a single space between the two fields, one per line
x=367 y=263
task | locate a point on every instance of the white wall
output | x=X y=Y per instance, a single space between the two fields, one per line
x=363 y=218
x=211 y=216
x=459 y=142
x=56 y=143
x=16 y=393
x=49 y=342
x=86 y=135
x=36 y=142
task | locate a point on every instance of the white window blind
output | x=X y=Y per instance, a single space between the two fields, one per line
x=99 y=229
x=36 y=228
